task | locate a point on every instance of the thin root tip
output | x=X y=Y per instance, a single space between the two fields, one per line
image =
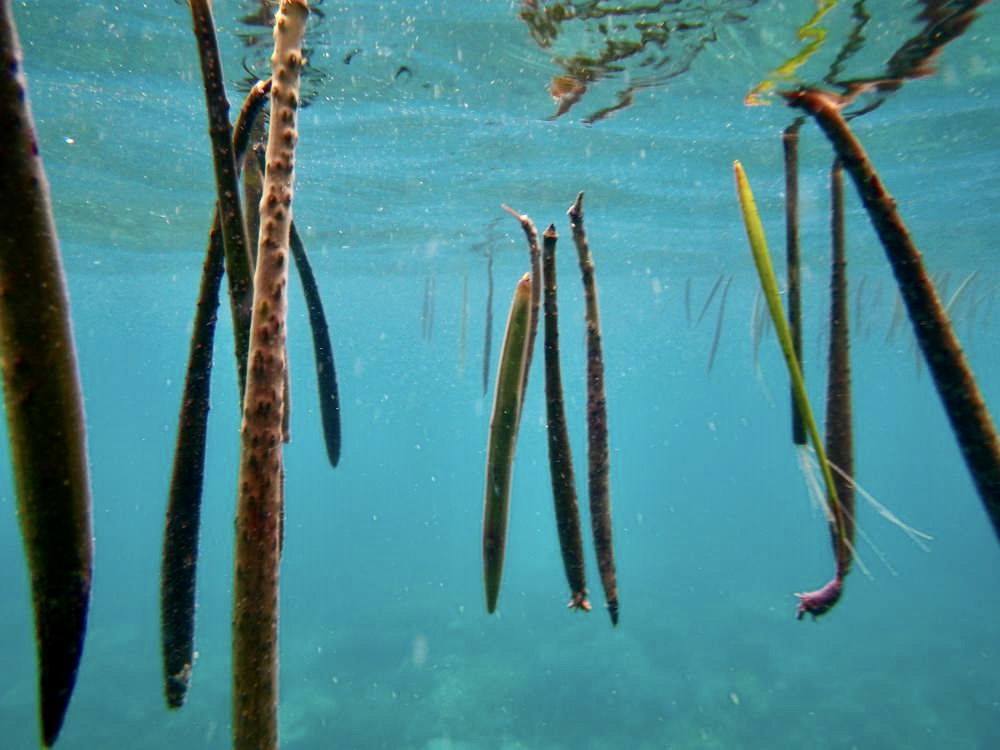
x=512 y=212
x=579 y=602
x=613 y=612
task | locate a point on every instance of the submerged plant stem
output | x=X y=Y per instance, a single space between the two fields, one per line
x=820 y=601
x=234 y=239
x=504 y=424
x=260 y=505
x=326 y=370
x=178 y=572
x=839 y=432
x=597 y=420
x=717 y=336
x=560 y=456
x=535 y=256
x=790 y=145
x=44 y=404
x=709 y=298
x=953 y=378
x=183 y=517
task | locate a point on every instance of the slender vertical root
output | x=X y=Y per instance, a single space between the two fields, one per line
x=504 y=423
x=597 y=419
x=44 y=405
x=839 y=432
x=260 y=493
x=252 y=167
x=183 y=517
x=531 y=233
x=560 y=456
x=718 y=327
x=178 y=572
x=253 y=184
x=814 y=602
x=790 y=146
x=326 y=371
x=248 y=121
x=963 y=402
x=234 y=237
x=709 y=298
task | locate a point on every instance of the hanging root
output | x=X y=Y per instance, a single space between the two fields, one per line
x=819 y=602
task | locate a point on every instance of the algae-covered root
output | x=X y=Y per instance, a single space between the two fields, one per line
x=504 y=421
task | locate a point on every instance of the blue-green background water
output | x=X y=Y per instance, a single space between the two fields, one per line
x=384 y=638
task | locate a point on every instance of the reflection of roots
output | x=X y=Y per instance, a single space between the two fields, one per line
x=647 y=44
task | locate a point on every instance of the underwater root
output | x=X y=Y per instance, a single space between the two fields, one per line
x=821 y=600
x=504 y=424
x=260 y=501
x=597 y=419
x=234 y=237
x=963 y=402
x=790 y=149
x=839 y=402
x=567 y=510
x=183 y=517
x=44 y=404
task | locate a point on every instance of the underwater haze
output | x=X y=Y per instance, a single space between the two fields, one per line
x=423 y=118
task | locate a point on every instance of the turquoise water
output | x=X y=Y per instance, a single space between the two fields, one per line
x=384 y=639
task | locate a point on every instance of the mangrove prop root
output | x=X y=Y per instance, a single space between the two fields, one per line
x=234 y=238
x=560 y=456
x=259 y=503
x=953 y=378
x=790 y=147
x=504 y=422
x=531 y=233
x=253 y=184
x=247 y=121
x=816 y=602
x=326 y=372
x=180 y=539
x=839 y=433
x=597 y=419
x=249 y=141
x=44 y=405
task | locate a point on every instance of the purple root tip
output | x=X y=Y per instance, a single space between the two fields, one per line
x=820 y=601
